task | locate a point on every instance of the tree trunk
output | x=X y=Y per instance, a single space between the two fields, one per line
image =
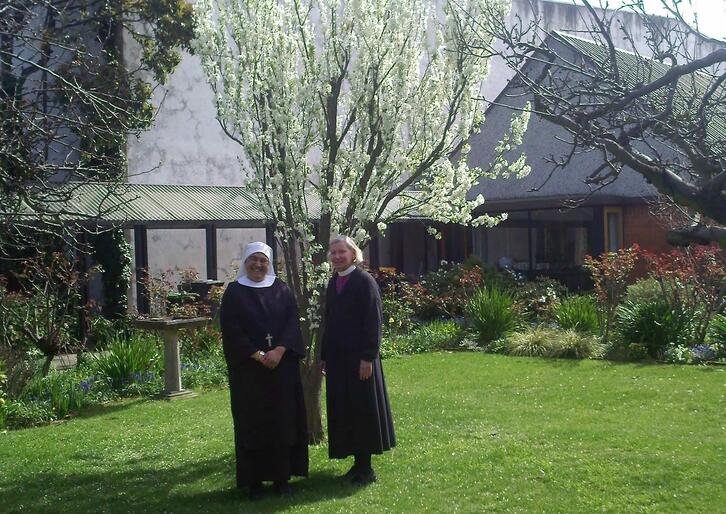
x=312 y=381
x=46 y=365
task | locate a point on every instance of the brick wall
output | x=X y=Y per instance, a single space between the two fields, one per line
x=639 y=226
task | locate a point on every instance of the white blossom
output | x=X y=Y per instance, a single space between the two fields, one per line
x=346 y=113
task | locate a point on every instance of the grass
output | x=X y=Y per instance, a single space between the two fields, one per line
x=477 y=433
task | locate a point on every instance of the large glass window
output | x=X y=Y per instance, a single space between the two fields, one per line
x=560 y=237
x=538 y=240
x=507 y=244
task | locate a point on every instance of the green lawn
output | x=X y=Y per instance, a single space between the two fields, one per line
x=476 y=433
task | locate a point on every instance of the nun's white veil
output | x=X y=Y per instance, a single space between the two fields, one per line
x=251 y=248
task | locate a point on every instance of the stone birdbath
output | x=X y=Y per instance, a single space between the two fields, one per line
x=169 y=328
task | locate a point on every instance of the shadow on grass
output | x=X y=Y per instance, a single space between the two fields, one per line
x=143 y=484
x=319 y=486
x=651 y=363
x=560 y=362
x=110 y=408
x=115 y=406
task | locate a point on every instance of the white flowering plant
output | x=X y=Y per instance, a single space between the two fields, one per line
x=347 y=114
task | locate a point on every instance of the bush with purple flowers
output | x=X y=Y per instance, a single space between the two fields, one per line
x=702 y=353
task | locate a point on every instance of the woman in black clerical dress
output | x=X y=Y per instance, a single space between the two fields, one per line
x=263 y=346
x=359 y=415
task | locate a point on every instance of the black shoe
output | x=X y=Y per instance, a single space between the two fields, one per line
x=255 y=492
x=365 y=477
x=281 y=488
x=351 y=474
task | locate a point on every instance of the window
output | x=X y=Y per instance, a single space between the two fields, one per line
x=560 y=237
x=613 y=218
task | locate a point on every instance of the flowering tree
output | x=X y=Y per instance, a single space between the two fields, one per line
x=346 y=114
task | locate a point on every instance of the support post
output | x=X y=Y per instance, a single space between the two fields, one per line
x=141 y=254
x=530 y=250
x=426 y=251
x=270 y=240
x=82 y=264
x=400 y=253
x=211 y=250
x=373 y=252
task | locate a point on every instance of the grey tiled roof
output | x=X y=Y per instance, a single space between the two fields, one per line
x=544 y=140
x=635 y=69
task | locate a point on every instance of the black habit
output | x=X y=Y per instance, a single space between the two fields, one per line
x=359 y=415
x=268 y=409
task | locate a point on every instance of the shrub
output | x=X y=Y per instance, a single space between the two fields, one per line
x=692 y=280
x=544 y=341
x=21 y=366
x=200 y=343
x=498 y=346
x=578 y=313
x=696 y=354
x=205 y=366
x=436 y=335
x=702 y=353
x=644 y=290
x=717 y=335
x=44 y=311
x=636 y=351
x=717 y=329
x=450 y=287
x=440 y=335
x=540 y=297
x=393 y=346
x=126 y=357
x=20 y=414
x=208 y=373
x=441 y=293
x=61 y=390
x=536 y=342
x=103 y=331
x=397 y=313
x=654 y=325
x=492 y=314
x=576 y=345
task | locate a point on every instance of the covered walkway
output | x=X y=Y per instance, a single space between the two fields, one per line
x=139 y=208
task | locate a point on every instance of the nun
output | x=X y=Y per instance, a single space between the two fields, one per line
x=263 y=346
x=359 y=415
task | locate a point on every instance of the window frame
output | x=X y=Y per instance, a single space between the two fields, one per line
x=618 y=211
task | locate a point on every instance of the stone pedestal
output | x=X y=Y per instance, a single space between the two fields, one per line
x=169 y=329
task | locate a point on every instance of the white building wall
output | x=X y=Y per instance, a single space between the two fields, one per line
x=172 y=250
x=230 y=243
x=186 y=145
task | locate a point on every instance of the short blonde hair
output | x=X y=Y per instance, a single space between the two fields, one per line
x=357 y=252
